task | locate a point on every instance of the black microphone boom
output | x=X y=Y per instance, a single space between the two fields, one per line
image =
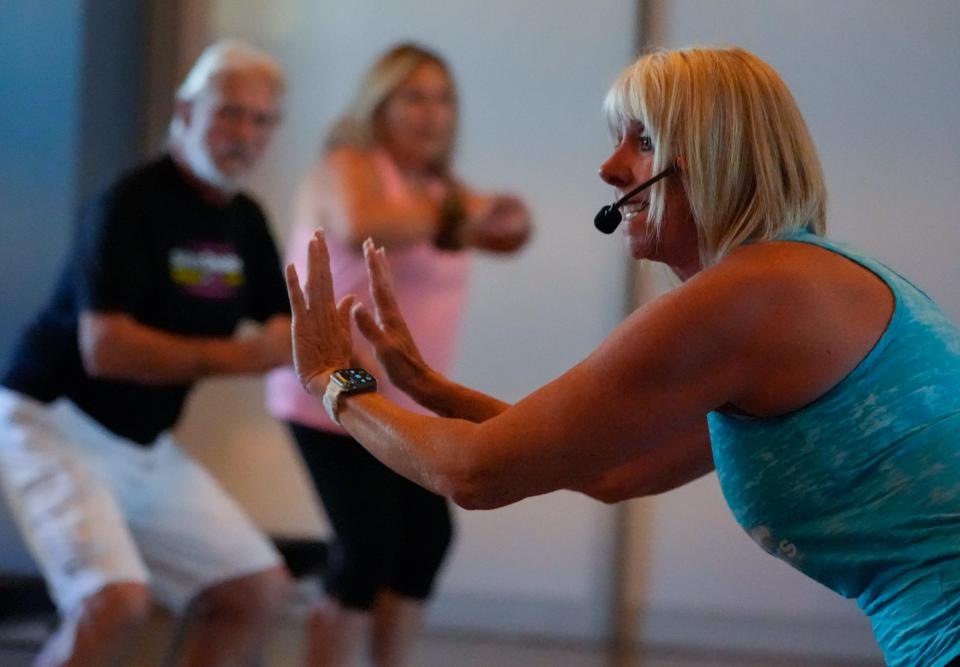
x=609 y=217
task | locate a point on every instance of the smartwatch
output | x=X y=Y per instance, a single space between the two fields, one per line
x=346 y=381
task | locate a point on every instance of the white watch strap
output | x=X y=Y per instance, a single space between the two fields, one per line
x=331 y=401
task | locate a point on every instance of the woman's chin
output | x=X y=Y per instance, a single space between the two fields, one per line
x=638 y=248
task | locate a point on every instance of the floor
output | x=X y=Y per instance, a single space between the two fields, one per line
x=452 y=651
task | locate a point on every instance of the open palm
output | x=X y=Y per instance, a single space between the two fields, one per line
x=386 y=329
x=321 y=328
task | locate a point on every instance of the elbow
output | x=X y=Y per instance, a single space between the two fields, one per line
x=474 y=487
x=476 y=499
x=95 y=336
x=606 y=498
x=466 y=492
x=96 y=361
x=476 y=470
x=612 y=497
x=611 y=493
x=471 y=500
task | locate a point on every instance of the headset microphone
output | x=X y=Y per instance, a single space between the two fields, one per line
x=609 y=216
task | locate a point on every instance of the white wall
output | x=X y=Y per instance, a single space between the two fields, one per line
x=532 y=74
x=877 y=82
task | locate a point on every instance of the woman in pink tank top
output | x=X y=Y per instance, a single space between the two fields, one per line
x=386 y=174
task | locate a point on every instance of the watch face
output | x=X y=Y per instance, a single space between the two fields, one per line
x=354 y=380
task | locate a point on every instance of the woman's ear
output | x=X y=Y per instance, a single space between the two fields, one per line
x=680 y=163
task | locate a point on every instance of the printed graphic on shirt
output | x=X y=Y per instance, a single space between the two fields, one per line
x=784 y=549
x=207 y=270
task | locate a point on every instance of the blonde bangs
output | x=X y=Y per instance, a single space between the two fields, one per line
x=639 y=96
x=750 y=170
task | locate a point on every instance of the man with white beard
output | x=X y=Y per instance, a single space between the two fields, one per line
x=165 y=264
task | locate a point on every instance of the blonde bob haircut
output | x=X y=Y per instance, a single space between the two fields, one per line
x=221 y=59
x=748 y=165
x=359 y=127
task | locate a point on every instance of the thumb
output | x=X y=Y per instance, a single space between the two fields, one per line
x=344 y=308
x=366 y=324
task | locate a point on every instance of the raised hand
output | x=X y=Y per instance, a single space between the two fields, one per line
x=386 y=330
x=503 y=226
x=321 y=328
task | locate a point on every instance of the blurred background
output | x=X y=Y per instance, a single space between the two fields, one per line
x=86 y=90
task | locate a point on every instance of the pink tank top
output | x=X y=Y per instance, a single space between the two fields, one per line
x=430 y=286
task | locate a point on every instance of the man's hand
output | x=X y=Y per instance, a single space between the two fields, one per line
x=271 y=345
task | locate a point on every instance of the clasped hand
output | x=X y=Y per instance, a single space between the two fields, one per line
x=501 y=224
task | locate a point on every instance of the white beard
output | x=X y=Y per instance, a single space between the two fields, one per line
x=198 y=160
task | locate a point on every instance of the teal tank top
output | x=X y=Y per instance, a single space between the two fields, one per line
x=860 y=490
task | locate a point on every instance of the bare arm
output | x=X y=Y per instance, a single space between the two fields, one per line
x=398 y=354
x=348 y=194
x=432 y=458
x=115 y=346
x=624 y=405
x=652 y=380
x=675 y=463
x=449 y=399
x=767 y=330
x=357 y=207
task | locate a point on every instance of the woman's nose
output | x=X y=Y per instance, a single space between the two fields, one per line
x=615 y=171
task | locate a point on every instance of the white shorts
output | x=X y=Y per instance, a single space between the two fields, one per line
x=95 y=508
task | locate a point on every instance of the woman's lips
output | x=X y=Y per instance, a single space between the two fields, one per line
x=631 y=210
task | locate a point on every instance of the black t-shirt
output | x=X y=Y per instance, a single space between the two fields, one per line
x=153 y=248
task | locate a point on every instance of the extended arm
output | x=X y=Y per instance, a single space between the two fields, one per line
x=115 y=274
x=350 y=186
x=116 y=346
x=448 y=399
x=398 y=354
x=652 y=380
x=671 y=465
x=766 y=331
x=347 y=191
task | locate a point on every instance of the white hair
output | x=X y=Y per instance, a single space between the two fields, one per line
x=218 y=59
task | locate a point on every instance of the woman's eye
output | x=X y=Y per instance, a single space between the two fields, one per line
x=412 y=97
x=645 y=143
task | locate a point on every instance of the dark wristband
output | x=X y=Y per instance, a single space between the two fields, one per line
x=453 y=218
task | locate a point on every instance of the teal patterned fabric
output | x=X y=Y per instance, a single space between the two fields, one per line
x=860 y=490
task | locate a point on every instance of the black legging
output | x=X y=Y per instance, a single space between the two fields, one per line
x=390 y=533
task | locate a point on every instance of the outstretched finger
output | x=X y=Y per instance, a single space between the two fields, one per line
x=297 y=302
x=367 y=326
x=381 y=286
x=343 y=310
x=319 y=287
x=390 y=314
